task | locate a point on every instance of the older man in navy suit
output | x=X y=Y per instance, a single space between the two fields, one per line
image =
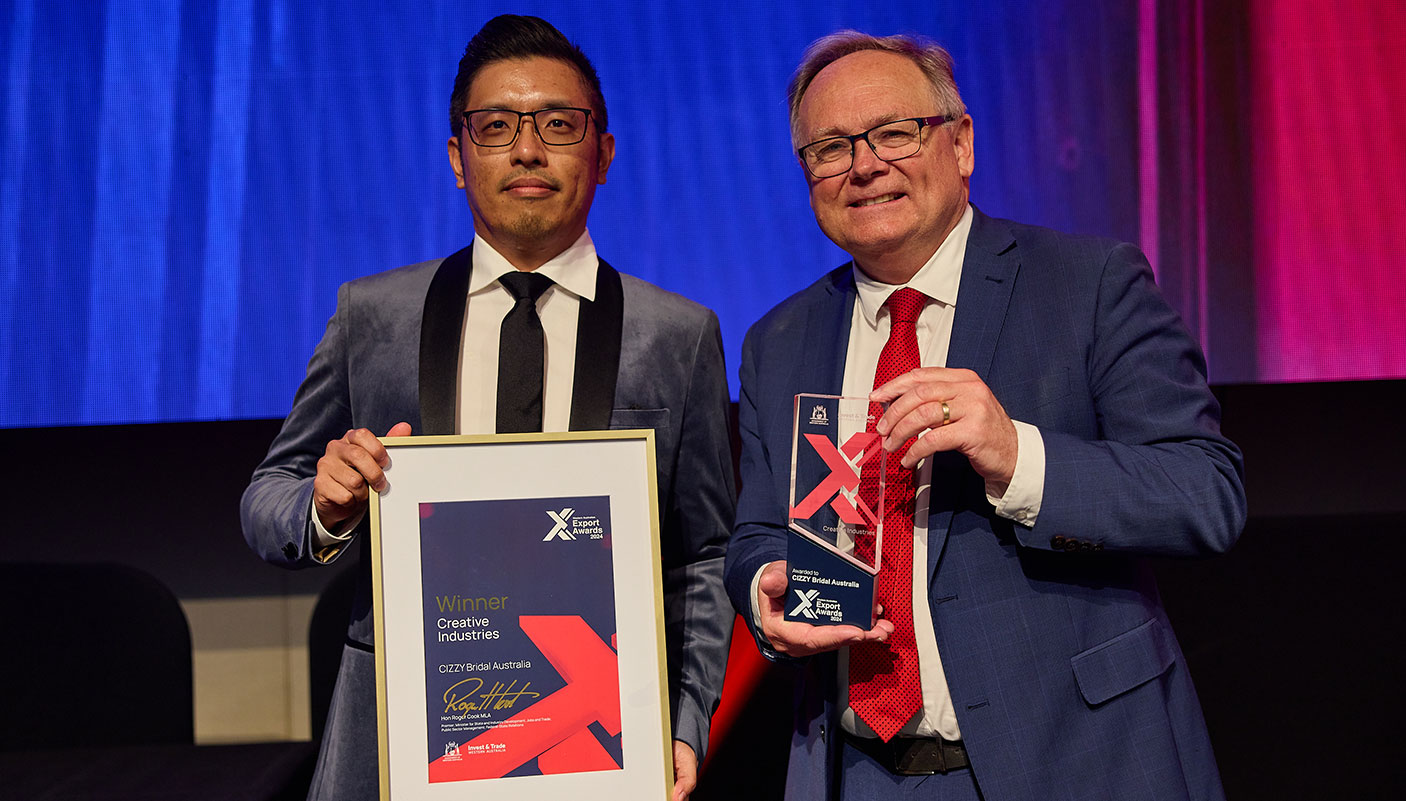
x=1048 y=426
x=442 y=347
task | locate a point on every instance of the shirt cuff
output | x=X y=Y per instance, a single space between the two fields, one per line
x=327 y=546
x=768 y=650
x=757 y=613
x=1021 y=500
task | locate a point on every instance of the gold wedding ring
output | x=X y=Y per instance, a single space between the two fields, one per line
x=946 y=413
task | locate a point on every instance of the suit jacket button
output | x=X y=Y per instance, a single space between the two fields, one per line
x=1072 y=544
x=290 y=551
x=1057 y=542
x=1098 y=546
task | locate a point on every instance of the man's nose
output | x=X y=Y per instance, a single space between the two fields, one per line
x=528 y=148
x=866 y=163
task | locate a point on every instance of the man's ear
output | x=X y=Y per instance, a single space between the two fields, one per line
x=605 y=154
x=963 y=144
x=456 y=161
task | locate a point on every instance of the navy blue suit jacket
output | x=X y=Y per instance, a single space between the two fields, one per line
x=1067 y=680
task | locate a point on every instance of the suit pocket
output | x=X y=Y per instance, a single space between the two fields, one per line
x=657 y=419
x=1132 y=658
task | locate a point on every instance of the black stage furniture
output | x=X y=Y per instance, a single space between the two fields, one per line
x=97 y=701
x=98 y=655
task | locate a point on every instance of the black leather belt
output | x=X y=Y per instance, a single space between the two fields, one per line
x=913 y=756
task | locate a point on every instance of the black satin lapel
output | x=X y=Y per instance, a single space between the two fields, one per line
x=598 y=331
x=441 y=327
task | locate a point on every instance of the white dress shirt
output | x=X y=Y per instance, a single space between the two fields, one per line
x=573 y=272
x=938 y=279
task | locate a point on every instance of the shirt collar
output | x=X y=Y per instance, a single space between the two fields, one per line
x=938 y=278
x=573 y=269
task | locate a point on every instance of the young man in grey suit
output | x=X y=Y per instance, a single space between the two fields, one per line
x=417 y=350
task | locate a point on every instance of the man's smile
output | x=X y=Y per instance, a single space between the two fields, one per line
x=874 y=201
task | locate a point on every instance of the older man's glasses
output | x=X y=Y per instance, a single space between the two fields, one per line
x=499 y=127
x=826 y=158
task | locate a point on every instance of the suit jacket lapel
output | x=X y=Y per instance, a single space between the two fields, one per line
x=441 y=326
x=988 y=276
x=821 y=361
x=598 y=331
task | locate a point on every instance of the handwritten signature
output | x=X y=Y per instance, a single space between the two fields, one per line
x=471 y=700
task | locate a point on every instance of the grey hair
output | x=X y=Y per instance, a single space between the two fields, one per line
x=930 y=57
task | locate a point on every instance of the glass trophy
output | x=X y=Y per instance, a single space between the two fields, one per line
x=836 y=512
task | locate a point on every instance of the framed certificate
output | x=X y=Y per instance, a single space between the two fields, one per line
x=519 y=622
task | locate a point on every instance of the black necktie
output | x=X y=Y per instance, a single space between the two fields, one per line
x=521 y=346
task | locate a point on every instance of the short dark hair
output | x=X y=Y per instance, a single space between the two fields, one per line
x=510 y=36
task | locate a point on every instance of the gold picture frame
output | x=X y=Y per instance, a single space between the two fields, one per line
x=491 y=556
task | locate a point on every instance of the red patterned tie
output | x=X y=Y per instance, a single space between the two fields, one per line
x=884 y=688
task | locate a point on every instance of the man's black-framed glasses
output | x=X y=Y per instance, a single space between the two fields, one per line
x=499 y=127
x=899 y=139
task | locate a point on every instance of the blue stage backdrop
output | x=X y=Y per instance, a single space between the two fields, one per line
x=185 y=184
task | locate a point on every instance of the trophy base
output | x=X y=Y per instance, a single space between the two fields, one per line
x=824 y=588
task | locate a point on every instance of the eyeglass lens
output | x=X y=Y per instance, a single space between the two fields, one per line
x=500 y=127
x=891 y=141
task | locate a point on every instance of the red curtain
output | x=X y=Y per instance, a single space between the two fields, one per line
x=1329 y=165
x=1273 y=148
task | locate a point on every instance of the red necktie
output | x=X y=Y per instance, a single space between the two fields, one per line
x=884 y=688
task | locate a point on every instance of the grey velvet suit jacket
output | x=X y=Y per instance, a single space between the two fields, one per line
x=390 y=354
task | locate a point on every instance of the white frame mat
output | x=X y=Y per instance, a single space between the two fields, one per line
x=446 y=469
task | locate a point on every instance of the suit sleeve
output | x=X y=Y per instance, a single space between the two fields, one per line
x=759 y=536
x=1159 y=478
x=275 y=508
x=699 y=515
